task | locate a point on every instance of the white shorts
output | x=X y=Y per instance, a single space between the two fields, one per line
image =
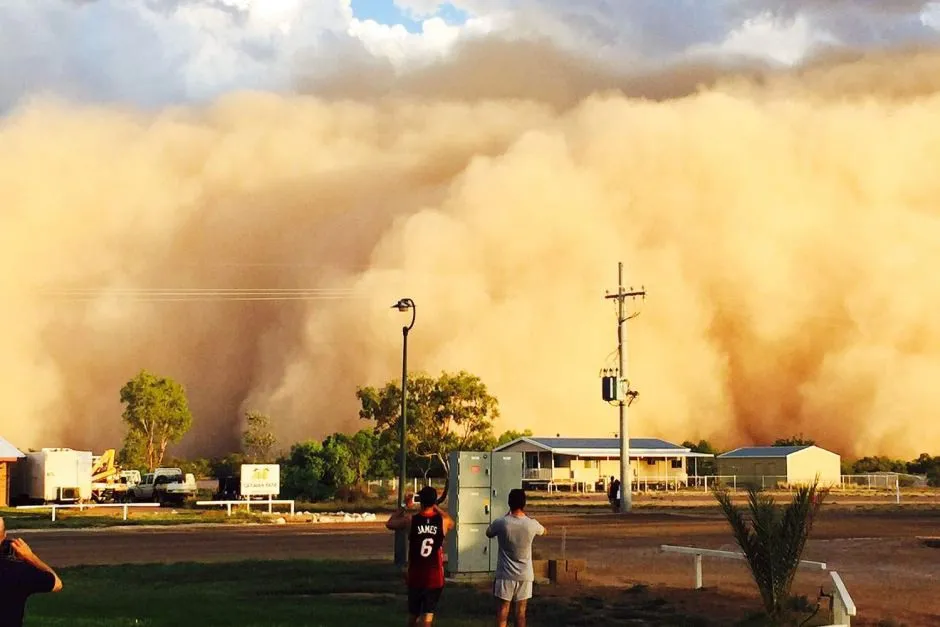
x=507 y=590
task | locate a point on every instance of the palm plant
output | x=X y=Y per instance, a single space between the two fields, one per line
x=772 y=538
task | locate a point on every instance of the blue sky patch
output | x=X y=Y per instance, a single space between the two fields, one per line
x=386 y=12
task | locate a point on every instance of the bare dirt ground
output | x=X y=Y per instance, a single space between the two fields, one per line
x=889 y=572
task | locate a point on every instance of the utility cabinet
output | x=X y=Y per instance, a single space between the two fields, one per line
x=477 y=494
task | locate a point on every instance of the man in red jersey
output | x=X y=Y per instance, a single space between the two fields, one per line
x=426 y=531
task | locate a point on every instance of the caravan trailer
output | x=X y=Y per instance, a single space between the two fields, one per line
x=53 y=475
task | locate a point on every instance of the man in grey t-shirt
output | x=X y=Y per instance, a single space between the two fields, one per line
x=514 y=575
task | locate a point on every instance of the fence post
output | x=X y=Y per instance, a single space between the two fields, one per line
x=734 y=481
x=292 y=508
x=698 y=571
x=125 y=511
x=229 y=507
x=270 y=504
x=53 y=513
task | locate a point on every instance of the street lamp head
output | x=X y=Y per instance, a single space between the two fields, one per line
x=404 y=304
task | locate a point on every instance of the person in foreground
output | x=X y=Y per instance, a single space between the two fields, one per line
x=426 y=531
x=22 y=574
x=514 y=574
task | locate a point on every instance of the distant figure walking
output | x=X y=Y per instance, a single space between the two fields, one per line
x=426 y=531
x=514 y=573
x=613 y=494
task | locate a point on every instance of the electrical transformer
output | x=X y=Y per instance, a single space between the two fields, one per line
x=478 y=494
x=610 y=388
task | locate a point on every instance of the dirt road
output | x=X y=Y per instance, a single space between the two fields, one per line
x=890 y=574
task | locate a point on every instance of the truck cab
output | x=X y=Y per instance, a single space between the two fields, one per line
x=164 y=485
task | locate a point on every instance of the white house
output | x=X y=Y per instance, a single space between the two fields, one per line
x=586 y=463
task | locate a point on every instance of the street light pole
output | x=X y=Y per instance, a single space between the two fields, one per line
x=403 y=305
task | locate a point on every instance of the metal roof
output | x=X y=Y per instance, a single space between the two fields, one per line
x=764 y=451
x=8 y=451
x=604 y=443
x=605 y=447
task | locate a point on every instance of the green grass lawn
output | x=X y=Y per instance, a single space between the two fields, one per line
x=166 y=516
x=293 y=593
x=108 y=517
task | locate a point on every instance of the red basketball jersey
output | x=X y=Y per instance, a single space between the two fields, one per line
x=426 y=551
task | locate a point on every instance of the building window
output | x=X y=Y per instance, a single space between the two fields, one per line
x=677 y=464
x=650 y=461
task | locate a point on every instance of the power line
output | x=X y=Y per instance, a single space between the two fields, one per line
x=626 y=476
x=200 y=294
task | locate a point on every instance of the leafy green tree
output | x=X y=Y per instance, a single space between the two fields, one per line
x=362 y=448
x=508 y=436
x=156 y=413
x=228 y=466
x=794 y=440
x=773 y=539
x=933 y=476
x=703 y=446
x=922 y=464
x=302 y=471
x=384 y=461
x=337 y=462
x=879 y=463
x=200 y=467
x=258 y=440
x=453 y=412
x=133 y=454
x=704 y=465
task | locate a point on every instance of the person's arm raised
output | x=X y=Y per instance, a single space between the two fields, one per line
x=398 y=520
x=448 y=521
x=22 y=551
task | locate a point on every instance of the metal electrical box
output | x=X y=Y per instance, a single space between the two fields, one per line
x=507 y=469
x=477 y=494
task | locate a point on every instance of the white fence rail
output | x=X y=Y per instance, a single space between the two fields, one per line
x=247 y=503
x=733 y=555
x=83 y=506
x=843 y=607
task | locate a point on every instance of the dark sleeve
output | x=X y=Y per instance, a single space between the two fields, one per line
x=31 y=580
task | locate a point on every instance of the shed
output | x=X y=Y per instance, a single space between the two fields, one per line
x=770 y=466
x=9 y=454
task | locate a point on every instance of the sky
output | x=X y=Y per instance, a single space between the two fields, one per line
x=391 y=13
x=493 y=160
x=151 y=53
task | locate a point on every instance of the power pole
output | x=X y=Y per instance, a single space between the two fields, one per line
x=626 y=477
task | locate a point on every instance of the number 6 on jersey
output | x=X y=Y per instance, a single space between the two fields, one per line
x=427 y=547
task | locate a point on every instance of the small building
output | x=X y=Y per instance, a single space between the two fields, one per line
x=8 y=455
x=588 y=463
x=781 y=466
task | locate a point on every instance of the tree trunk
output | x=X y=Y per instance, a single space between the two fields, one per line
x=151 y=451
x=163 y=443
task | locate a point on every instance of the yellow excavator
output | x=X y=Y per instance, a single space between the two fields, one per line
x=108 y=482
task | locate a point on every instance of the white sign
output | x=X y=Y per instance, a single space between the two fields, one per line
x=261 y=480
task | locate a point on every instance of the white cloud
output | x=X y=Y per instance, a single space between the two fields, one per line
x=152 y=52
x=402 y=48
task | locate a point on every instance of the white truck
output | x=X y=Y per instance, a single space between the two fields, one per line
x=52 y=475
x=164 y=486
